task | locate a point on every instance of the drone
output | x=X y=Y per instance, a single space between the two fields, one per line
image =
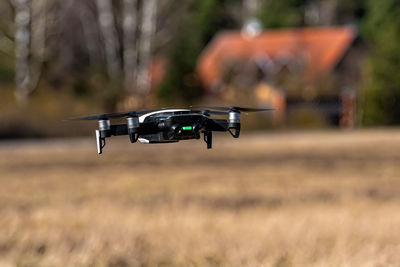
x=170 y=125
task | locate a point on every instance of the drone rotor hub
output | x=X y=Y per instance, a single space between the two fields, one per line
x=104 y=124
x=133 y=128
x=234 y=117
x=132 y=122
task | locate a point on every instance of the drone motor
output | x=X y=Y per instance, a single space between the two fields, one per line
x=234 y=123
x=133 y=128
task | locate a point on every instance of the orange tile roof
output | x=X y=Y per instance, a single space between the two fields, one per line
x=320 y=47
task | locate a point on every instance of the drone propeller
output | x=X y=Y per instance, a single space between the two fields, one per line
x=96 y=117
x=106 y=116
x=236 y=109
x=207 y=111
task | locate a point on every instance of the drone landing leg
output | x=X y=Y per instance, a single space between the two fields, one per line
x=208 y=139
x=101 y=142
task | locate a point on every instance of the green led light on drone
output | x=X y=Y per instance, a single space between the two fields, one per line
x=186 y=128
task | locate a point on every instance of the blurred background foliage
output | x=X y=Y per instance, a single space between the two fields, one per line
x=381 y=28
x=191 y=35
x=64 y=58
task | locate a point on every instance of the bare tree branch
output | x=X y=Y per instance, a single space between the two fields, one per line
x=147 y=31
x=111 y=43
x=38 y=30
x=22 y=41
x=130 y=50
x=250 y=7
x=89 y=26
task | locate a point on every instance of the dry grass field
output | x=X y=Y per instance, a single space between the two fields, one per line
x=280 y=199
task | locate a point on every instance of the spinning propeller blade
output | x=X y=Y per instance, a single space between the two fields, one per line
x=96 y=117
x=206 y=111
x=236 y=109
x=106 y=116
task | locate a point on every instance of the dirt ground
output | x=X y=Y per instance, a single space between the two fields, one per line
x=266 y=199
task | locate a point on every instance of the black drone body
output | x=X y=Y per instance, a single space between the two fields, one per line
x=169 y=125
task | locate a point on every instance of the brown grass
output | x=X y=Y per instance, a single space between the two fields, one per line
x=293 y=199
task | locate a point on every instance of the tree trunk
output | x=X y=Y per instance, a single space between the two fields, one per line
x=251 y=8
x=130 y=50
x=90 y=32
x=38 y=39
x=147 y=31
x=111 y=43
x=22 y=41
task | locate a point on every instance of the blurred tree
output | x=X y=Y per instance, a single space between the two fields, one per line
x=22 y=48
x=147 y=30
x=192 y=32
x=110 y=38
x=91 y=34
x=6 y=42
x=381 y=103
x=282 y=13
x=292 y=13
x=250 y=9
x=349 y=11
x=130 y=48
x=38 y=39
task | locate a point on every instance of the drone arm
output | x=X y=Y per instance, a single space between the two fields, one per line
x=119 y=129
x=123 y=129
x=216 y=125
x=113 y=130
x=221 y=125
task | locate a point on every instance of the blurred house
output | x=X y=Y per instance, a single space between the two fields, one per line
x=316 y=68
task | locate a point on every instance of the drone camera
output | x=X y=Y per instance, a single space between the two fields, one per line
x=183 y=126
